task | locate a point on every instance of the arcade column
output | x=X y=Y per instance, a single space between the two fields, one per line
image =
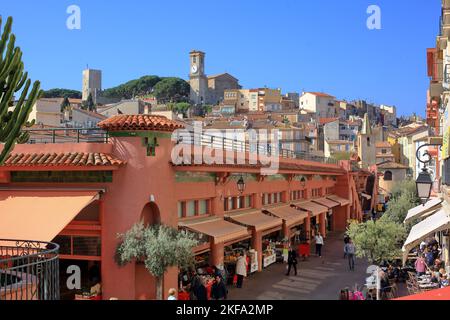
x=257 y=245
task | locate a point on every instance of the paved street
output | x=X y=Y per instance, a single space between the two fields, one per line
x=318 y=278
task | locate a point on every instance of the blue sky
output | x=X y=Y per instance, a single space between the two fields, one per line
x=311 y=45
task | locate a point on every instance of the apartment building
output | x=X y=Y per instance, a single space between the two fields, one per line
x=322 y=104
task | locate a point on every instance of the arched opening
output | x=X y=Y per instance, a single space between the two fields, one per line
x=388 y=176
x=368 y=141
x=150 y=214
x=145 y=283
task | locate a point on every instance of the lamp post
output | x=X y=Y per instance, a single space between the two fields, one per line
x=241 y=185
x=424 y=183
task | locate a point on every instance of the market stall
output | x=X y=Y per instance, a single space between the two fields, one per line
x=274 y=248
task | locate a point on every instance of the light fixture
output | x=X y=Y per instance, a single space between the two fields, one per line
x=241 y=185
x=303 y=182
x=424 y=184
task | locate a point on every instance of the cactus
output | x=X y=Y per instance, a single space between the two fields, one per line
x=12 y=80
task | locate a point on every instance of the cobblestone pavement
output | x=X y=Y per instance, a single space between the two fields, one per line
x=317 y=279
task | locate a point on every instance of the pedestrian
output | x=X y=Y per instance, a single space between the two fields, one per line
x=350 y=250
x=319 y=244
x=218 y=290
x=292 y=261
x=195 y=283
x=172 y=294
x=241 y=269
x=201 y=293
x=346 y=238
x=420 y=265
x=374 y=214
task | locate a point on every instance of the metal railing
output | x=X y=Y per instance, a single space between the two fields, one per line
x=260 y=148
x=29 y=270
x=67 y=135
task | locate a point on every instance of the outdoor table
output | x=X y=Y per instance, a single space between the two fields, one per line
x=429 y=286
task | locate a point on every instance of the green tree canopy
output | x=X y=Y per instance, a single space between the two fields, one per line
x=377 y=241
x=65 y=104
x=171 y=90
x=130 y=89
x=403 y=198
x=13 y=78
x=159 y=247
x=62 y=93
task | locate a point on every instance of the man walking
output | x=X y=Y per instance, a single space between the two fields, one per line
x=350 y=252
x=292 y=261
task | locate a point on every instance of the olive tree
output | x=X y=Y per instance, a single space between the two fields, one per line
x=159 y=247
x=377 y=241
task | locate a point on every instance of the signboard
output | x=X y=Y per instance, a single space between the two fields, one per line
x=446 y=144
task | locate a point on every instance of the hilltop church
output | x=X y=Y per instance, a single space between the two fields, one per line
x=207 y=89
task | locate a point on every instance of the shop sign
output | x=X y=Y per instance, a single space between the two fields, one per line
x=446 y=144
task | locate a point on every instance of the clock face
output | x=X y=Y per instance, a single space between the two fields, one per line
x=194 y=69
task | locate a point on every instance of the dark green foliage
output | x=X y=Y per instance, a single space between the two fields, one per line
x=62 y=93
x=12 y=80
x=137 y=87
x=90 y=105
x=65 y=104
x=171 y=90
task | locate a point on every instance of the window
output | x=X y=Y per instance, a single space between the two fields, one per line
x=298 y=194
x=368 y=141
x=202 y=207
x=388 y=176
x=272 y=198
x=317 y=192
x=384 y=151
x=193 y=208
x=190 y=208
x=233 y=203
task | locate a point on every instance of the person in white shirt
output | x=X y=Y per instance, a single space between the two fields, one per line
x=319 y=244
x=423 y=245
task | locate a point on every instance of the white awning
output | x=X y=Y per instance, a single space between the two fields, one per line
x=437 y=222
x=418 y=211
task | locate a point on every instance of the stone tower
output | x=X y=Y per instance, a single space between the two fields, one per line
x=92 y=84
x=366 y=143
x=197 y=77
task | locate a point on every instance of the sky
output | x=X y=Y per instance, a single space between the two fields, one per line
x=295 y=45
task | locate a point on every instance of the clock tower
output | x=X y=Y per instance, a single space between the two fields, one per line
x=197 y=78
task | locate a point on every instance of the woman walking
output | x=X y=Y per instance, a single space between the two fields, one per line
x=319 y=244
x=241 y=269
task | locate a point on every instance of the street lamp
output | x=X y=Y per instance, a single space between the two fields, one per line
x=241 y=185
x=424 y=184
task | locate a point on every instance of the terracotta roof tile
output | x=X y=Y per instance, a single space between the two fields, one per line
x=139 y=122
x=62 y=159
x=327 y=120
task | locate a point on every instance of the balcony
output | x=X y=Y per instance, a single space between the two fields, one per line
x=29 y=270
x=67 y=135
x=240 y=145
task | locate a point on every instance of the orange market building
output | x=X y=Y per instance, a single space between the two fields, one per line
x=82 y=195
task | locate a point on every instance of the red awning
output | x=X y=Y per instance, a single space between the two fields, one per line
x=437 y=294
